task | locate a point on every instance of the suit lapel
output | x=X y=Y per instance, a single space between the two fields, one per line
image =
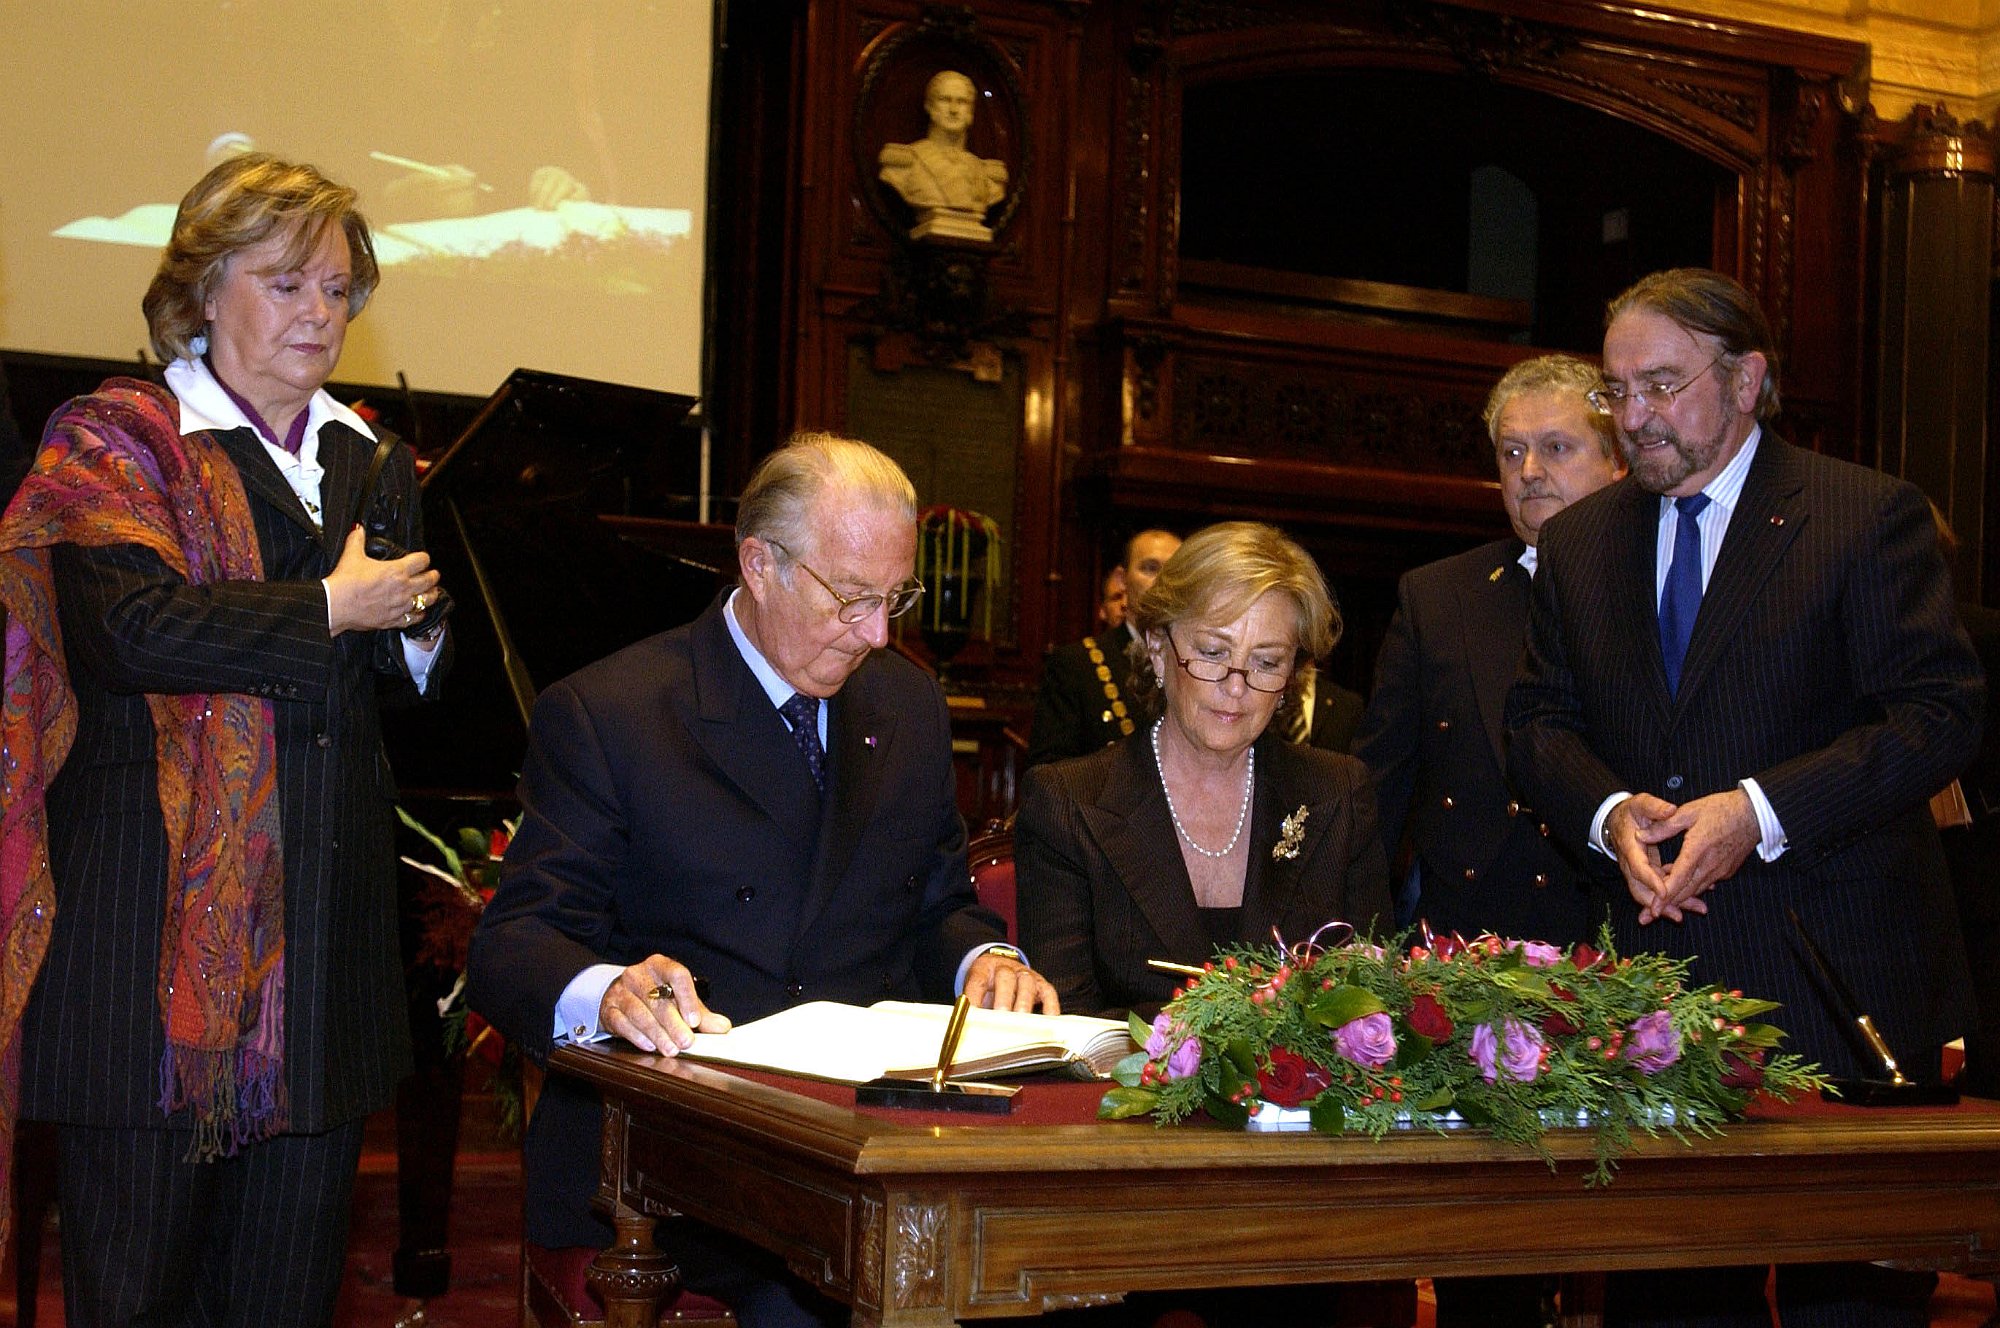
x=261 y=475
x=742 y=733
x=1492 y=612
x=344 y=456
x=1135 y=832
x=1769 y=513
x=1635 y=610
x=1272 y=880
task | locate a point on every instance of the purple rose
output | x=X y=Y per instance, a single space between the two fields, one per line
x=1185 y=1060
x=1515 y=1051
x=1538 y=954
x=1654 y=1044
x=1369 y=1040
x=1156 y=1045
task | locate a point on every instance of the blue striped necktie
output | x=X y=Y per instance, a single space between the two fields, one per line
x=1680 y=600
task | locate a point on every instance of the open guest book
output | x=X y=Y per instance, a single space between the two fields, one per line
x=900 y=1040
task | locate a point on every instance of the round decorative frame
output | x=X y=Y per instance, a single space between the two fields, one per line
x=888 y=108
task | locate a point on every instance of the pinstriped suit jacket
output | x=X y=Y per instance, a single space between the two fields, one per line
x=1828 y=663
x=92 y=1035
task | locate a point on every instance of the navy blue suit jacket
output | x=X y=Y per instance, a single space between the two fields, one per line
x=665 y=809
x=1434 y=737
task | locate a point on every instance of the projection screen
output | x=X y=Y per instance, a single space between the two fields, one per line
x=534 y=170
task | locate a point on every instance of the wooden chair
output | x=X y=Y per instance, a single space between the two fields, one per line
x=555 y=1283
x=991 y=858
x=556 y=1293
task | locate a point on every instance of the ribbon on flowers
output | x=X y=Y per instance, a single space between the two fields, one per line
x=1310 y=948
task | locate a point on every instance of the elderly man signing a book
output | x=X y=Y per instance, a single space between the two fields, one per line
x=763 y=798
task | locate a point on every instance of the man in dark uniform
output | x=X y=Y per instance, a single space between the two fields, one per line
x=1085 y=699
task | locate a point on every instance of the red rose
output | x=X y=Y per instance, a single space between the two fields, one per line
x=1450 y=947
x=1558 y=1025
x=1585 y=956
x=1290 y=1079
x=1428 y=1019
x=1743 y=1069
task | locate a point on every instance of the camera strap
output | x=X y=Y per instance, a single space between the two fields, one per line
x=385 y=446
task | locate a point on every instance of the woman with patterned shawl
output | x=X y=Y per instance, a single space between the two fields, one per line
x=201 y=986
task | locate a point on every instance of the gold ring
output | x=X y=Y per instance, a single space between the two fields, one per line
x=417 y=604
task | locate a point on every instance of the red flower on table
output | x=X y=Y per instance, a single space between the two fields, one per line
x=1290 y=1079
x=1428 y=1019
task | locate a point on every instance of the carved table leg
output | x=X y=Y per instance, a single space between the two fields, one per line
x=631 y=1275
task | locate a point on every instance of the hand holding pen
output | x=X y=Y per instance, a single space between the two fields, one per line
x=658 y=1005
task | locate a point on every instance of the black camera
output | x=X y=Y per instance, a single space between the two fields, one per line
x=384 y=517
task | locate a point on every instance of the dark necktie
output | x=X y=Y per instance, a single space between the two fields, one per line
x=1681 y=598
x=802 y=713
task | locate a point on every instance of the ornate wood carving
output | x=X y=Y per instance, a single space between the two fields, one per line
x=1256 y=409
x=1735 y=107
x=868 y=1277
x=943 y=27
x=920 y=1263
x=1483 y=43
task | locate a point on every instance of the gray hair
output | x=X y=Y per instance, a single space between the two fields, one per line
x=1708 y=302
x=788 y=485
x=1549 y=373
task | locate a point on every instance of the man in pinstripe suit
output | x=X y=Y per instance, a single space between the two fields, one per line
x=1776 y=756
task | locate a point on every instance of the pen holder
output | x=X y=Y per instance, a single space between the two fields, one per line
x=986 y=1099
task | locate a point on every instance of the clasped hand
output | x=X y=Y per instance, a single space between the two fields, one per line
x=369 y=594
x=1720 y=831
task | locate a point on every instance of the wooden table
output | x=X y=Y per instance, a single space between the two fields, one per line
x=923 y=1218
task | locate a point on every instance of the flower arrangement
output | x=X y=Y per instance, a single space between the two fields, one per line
x=447 y=913
x=1517 y=1037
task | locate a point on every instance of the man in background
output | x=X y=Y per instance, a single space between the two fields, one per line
x=1745 y=679
x=1434 y=732
x=1084 y=703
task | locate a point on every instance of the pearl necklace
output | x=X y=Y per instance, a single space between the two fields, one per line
x=1242 y=813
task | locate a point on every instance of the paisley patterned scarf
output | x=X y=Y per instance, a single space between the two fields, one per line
x=114 y=469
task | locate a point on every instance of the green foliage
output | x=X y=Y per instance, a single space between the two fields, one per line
x=1536 y=1039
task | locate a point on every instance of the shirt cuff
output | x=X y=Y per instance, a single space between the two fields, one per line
x=965 y=964
x=577 y=1007
x=1597 y=823
x=1771 y=842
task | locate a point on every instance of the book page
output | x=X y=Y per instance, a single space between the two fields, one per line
x=853 y=1044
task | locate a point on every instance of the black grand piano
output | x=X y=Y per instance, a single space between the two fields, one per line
x=558 y=518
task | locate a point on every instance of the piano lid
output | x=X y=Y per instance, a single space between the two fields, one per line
x=512 y=519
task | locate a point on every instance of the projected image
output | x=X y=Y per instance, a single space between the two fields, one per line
x=534 y=173
x=618 y=249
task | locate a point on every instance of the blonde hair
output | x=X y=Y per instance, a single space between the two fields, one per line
x=238 y=205
x=777 y=505
x=1218 y=573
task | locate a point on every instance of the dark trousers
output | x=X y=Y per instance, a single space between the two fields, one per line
x=1810 y=1295
x=252 y=1241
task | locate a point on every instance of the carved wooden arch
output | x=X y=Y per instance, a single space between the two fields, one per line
x=1749 y=100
